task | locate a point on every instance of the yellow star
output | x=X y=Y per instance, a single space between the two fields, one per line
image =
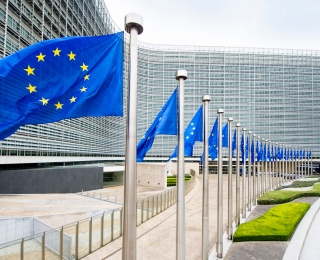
x=40 y=57
x=84 y=67
x=83 y=89
x=58 y=105
x=73 y=99
x=86 y=77
x=56 y=52
x=44 y=101
x=29 y=70
x=72 y=55
x=31 y=88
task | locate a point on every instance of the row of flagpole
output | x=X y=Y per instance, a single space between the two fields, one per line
x=261 y=163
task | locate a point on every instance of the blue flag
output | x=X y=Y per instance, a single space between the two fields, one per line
x=234 y=142
x=213 y=141
x=225 y=135
x=300 y=154
x=61 y=78
x=269 y=153
x=258 y=151
x=264 y=153
x=244 y=149
x=192 y=134
x=165 y=123
x=252 y=151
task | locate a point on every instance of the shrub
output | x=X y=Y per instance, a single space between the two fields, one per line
x=277 y=224
x=283 y=196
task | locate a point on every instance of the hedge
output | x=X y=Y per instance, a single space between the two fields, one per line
x=277 y=224
x=283 y=196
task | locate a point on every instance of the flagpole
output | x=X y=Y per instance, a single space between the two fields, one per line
x=287 y=179
x=220 y=193
x=134 y=26
x=258 y=172
x=205 y=194
x=230 y=231
x=181 y=76
x=273 y=163
x=305 y=162
x=249 y=171
x=254 y=183
x=270 y=169
x=262 y=168
x=266 y=169
x=308 y=159
x=244 y=174
x=296 y=164
x=283 y=173
x=238 y=177
x=277 y=166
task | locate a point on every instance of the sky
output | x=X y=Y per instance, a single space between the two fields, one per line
x=288 y=24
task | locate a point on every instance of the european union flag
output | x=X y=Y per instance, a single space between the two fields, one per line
x=279 y=153
x=192 y=134
x=213 y=141
x=258 y=151
x=61 y=78
x=234 y=142
x=244 y=148
x=269 y=153
x=225 y=135
x=252 y=151
x=165 y=123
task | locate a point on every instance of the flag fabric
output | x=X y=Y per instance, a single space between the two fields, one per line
x=165 y=123
x=269 y=153
x=244 y=148
x=252 y=151
x=265 y=153
x=192 y=134
x=225 y=135
x=234 y=142
x=258 y=151
x=300 y=154
x=213 y=141
x=279 y=153
x=61 y=78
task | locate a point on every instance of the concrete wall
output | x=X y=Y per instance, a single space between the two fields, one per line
x=118 y=176
x=188 y=166
x=51 y=180
x=152 y=174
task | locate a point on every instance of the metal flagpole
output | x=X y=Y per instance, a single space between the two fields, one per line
x=220 y=193
x=273 y=169
x=266 y=170
x=262 y=169
x=258 y=173
x=205 y=194
x=249 y=171
x=291 y=164
x=283 y=173
x=287 y=179
x=277 y=166
x=230 y=231
x=305 y=162
x=134 y=26
x=238 y=177
x=254 y=172
x=244 y=174
x=308 y=159
x=181 y=76
x=296 y=164
x=270 y=170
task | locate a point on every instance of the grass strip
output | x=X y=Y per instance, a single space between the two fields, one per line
x=301 y=184
x=283 y=196
x=277 y=224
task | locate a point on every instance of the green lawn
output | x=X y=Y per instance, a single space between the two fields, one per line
x=300 y=184
x=283 y=196
x=277 y=224
x=172 y=180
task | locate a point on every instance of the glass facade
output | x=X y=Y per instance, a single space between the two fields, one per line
x=274 y=93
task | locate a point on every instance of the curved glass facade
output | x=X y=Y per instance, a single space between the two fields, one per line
x=274 y=93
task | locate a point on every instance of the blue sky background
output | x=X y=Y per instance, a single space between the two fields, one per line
x=289 y=24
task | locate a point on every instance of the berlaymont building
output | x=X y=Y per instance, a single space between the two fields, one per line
x=274 y=93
